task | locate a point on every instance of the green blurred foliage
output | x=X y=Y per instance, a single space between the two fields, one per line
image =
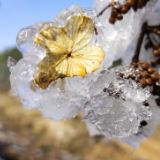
x=4 y=71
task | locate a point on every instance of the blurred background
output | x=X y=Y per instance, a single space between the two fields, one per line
x=25 y=135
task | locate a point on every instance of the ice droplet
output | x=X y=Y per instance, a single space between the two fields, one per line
x=11 y=63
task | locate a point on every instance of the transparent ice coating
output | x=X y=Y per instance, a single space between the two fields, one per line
x=99 y=39
x=21 y=78
x=121 y=37
x=133 y=140
x=145 y=55
x=115 y=85
x=116 y=108
x=25 y=37
x=153 y=19
x=154 y=108
x=11 y=63
x=93 y=131
x=115 y=117
x=64 y=14
x=25 y=41
x=63 y=98
x=144 y=131
x=142 y=134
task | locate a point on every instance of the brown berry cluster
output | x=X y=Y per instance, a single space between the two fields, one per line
x=117 y=12
x=156 y=52
x=147 y=75
x=156 y=57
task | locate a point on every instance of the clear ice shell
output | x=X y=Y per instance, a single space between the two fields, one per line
x=57 y=101
x=98 y=39
x=116 y=105
x=142 y=134
x=11 y=63
x=118 y=119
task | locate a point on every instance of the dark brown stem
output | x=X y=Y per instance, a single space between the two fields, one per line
x=135 y=5
x=109 y=5
x=148 y=36
x=153 y=30
x=153 y=27
x=135 y=58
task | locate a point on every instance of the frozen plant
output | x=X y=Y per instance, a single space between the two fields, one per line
x=65 y=68
x=116 y=109
x=57 y=57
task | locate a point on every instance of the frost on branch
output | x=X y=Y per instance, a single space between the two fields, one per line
x=123 y=35
x=116 y=108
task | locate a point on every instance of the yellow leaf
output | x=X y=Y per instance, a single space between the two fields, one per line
x=68 y=53
x=78 y=32
x=90 y=56
x=50 y=38
x=50 y=62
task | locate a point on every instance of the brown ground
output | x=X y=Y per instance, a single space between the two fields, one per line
x=25 y=135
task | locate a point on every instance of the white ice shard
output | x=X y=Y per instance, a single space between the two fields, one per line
x=11 y=63
x=116 y=107
x=142 y=134
x=146 y=127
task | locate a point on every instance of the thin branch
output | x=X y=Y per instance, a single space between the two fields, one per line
x=155 y=44
x=109 y=5
x=135 y=5
x=148 y=36
x=153 y=27
x=135 y=58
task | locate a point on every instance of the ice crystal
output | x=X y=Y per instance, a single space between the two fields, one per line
x=141 y=135
x=114 y=85
x=11 y=63
x=154 y=108
x=68 y=53
x=116 y=108
x=146 y=128
x=123 y=35
x=63 y=98
x=149 y=14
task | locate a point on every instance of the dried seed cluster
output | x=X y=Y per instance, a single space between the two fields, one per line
x=156 y=55
x=148 y=76
x=117 y=12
